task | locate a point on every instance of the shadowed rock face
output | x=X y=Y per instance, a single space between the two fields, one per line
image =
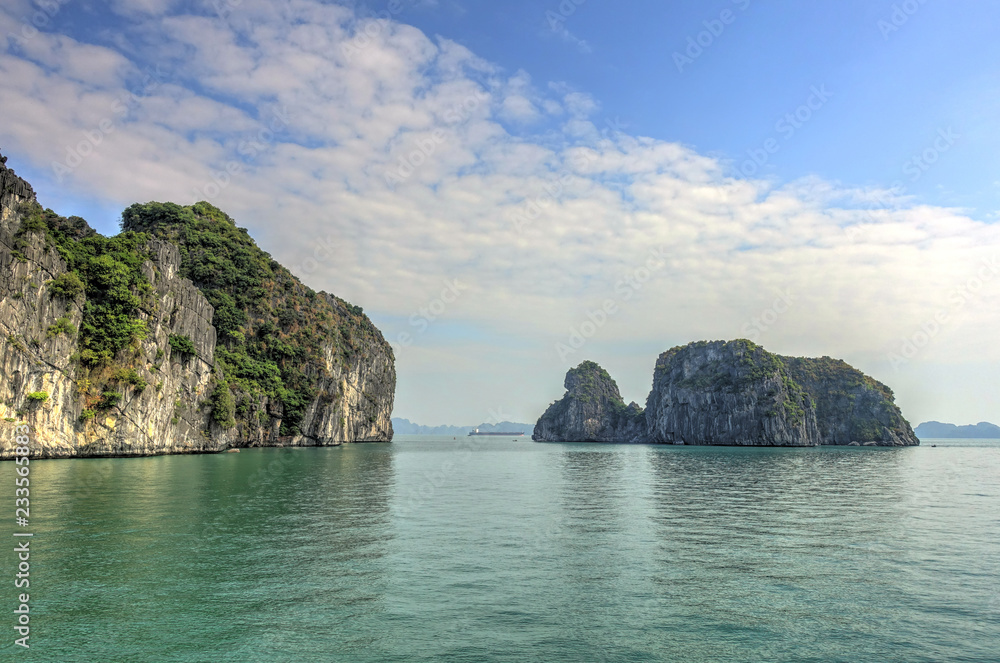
x=851 y=408
x=591 y=411
x=12 y=187
x=727 y=393
x=173 y=409
x=731 y=393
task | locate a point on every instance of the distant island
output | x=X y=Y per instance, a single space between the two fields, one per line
x=407 y=427
x=936 y=429
x=731 y=393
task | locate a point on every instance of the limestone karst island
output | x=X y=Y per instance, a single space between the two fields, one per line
x=178 y=335
x=730 y=393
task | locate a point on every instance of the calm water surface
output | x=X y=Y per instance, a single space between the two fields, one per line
x=434 y=549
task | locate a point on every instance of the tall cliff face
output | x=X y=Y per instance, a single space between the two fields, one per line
x=302 y=366
x=591 y=411
x=109 y=349
x=45 y=385
x=728 y=393
x=851 y=407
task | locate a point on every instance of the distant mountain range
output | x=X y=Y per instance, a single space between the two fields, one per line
x=936 y=429
x=927 y=430
x=407 y=427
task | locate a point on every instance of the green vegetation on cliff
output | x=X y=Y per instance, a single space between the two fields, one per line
x=850 y=404
x=586 y=379
x=836 y=372
x=591 y=409
x=754 y=364
x=106 y=269
x=176 y=335
x=272 y=329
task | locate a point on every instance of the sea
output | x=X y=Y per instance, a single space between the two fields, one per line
x=485 y=549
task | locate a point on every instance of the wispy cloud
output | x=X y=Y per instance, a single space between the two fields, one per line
x=561 y=31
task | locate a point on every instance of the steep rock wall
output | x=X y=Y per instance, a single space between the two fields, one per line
x=727 y=393
x=165 y=405
x=591 y=411
x=169 y=415
x=851 y=407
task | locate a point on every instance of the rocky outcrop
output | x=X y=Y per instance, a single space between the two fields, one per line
x=156 y=395
x=13 y=189
x=354 y=401
x=731 y=393
x=591 y=411
x=727 y=393
x=851 y=407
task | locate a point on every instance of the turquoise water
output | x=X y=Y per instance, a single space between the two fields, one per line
x=433 y=549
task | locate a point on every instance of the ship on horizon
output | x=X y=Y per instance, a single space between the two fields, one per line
x=476 y=431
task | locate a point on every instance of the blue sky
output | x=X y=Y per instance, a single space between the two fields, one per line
x=818 y=177
x=893 y=87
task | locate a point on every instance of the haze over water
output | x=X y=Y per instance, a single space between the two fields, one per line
x=434 y=549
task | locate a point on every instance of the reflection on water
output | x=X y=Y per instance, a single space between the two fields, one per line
x=207 y=553
x=759 y=542
x=514 y=551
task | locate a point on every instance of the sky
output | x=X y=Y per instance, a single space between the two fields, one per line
x=509 y=189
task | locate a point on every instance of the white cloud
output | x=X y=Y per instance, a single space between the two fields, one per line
x=412 y=161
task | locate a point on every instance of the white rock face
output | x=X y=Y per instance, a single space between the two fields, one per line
x=172 y=414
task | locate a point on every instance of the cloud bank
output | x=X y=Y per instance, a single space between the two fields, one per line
x=498 y=229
